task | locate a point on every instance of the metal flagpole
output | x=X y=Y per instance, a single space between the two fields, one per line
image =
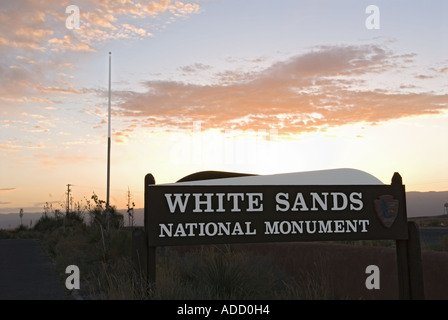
x=108 y=147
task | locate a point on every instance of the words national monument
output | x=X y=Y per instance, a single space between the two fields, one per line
x=329 y=205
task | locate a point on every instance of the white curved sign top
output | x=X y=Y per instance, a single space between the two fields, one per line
x=321 y=177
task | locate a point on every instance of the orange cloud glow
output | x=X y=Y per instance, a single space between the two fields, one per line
x=35 y=42
x=309 y=92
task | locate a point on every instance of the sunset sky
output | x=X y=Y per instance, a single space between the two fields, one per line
x=256 y=86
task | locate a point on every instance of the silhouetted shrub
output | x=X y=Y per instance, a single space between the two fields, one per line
x=48 y=224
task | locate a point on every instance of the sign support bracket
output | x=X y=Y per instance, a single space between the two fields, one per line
x=151 y=251
x=409 y=266
x=409 y=258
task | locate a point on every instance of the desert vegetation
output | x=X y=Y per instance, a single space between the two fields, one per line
x=440 y=221
x=102 y=251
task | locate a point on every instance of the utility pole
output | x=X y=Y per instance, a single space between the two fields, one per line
x=108 y=147
x=130 y=210
x=67 y=207
x=21 y=215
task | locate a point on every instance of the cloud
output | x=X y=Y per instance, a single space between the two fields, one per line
x=56 y=160
x=31 y=34
x=138 y=31
x=68 y=43
x=36 y=116
x=121 y=137
x=308 y=92
x=102 y=22
x=8 y=189
x=36 y=45
x=423 y=76
x=33 y=24
x=10 y=147
x=196 y=67
x=182 y=9
x=61 y=90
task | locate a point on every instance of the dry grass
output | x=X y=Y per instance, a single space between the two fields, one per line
x=437 y=221
x=206 y=272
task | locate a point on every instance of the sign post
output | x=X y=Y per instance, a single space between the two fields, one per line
x=179 y=214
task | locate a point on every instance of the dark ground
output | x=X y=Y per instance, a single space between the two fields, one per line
x=343 y=268
x=432 y=235
x=26 y=274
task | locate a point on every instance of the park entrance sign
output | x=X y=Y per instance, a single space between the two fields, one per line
x=262 y=209
x=329 y=205
x=240 y=214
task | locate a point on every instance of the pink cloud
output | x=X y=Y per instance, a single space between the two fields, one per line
x=309 y=92
x=34 y=38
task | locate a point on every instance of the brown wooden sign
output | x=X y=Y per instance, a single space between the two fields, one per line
x=195 y=214
x=180 y=214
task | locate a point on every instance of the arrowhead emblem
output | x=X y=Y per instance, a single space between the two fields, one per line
x=386 y=208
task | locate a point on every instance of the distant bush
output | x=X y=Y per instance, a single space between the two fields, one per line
x=48 y=224
x=5 y=234
x=440 y=221
x=444 y=243
x=368 y=243
x=98 y=214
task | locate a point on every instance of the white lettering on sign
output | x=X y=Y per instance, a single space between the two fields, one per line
x=339 y=201
x=212 y=229
x=253 y=202
x=202 y=229
x=315 y=226
x=178 y=202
